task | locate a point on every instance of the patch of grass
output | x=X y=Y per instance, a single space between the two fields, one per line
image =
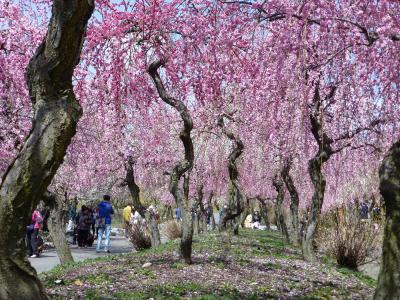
x=249 y=250
x=331 y=263
x=368 y=281
x=229 y=290
x=146 y=272
x=92 y=294
x=219 y=264
x=267 y=291
x=97 y=279
x=243 y=261
x=57 y=273
x=272 y=266
x=167 y=291
x=324 y=293
x=178 y=265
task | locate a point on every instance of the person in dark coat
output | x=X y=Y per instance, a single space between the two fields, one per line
x=84 y=224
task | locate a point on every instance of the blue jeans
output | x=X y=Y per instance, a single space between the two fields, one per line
x=106 y=233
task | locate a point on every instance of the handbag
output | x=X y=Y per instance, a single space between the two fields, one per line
x=101 y=223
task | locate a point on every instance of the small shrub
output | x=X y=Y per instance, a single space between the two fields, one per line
x=351 y=240
x=139 y=237
x=173 y=230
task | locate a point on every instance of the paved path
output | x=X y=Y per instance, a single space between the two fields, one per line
x=49 y=258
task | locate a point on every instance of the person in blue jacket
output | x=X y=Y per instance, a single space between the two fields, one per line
x=105 y=210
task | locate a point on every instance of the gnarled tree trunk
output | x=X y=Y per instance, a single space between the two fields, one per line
x=264 y=211
x=389 y=276
x=56 y=223
x=315 y=165
x=294 y=228
x=180 y=194
x=235 y=195
x=318 y=181
x=209 y=202
x=277 y=182
x=56 y=113
x=149 y=216
x=202 y=215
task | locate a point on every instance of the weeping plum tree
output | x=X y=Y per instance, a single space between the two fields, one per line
x=389 y=275
x=264 y=211
x=315 y=165
x=180 y=194
x=235 y=196
x=134 y=190
x=56 y=112
x=294 y=228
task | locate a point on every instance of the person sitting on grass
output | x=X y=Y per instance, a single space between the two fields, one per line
x=256 y=221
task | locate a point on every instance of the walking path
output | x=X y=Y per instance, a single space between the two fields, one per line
x=49 y=258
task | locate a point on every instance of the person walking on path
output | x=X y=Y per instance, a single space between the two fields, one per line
x=84 y=223
x=126 y=213
x=104 y=223
x=32 y=234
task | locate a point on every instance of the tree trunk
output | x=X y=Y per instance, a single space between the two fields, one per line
x=187 y=233
x=264 y=212
x=202 y=213
x=149 y=216
x=209 y=201
x=294 y=228
x=244 y=214
x=280 y=219
x=235 y=197
x=152 y=224
x=56 y=224
x=389 y=275
x=56 y=113
x=180 y=193
x=315 y=171
x=236 y=224
x=318 y=181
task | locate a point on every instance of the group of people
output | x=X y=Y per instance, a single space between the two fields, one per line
x=92 y=223
x=208 y=211
x=131 y=216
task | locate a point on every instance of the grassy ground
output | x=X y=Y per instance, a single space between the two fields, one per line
x=255 y=265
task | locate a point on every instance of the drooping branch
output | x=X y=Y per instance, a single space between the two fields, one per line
x=353 y=133
x=371 y=36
